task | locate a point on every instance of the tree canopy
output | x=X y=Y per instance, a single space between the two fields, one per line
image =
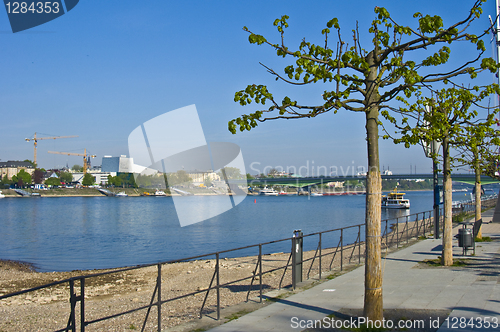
x=88 y=179
x=22 y=178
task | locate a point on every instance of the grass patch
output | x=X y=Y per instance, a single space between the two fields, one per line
x=333 y=276
x=483 y=239
x=237 y=315
x=437 y=262
x=460 y=217
x=132 y=327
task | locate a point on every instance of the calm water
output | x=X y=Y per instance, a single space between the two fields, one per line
x=69 y=233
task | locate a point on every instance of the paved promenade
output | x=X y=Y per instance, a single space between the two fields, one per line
x=469 y=291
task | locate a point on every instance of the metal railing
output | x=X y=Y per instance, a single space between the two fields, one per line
x=326 y=257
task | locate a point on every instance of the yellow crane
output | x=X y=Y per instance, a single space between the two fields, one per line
x=36 y=139
x=86 y=159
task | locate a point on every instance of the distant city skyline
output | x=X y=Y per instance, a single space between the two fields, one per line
x=103 y=69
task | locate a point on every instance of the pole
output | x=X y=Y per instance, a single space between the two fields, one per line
x=436 y=199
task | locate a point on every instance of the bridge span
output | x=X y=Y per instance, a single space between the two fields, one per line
x=310 y=181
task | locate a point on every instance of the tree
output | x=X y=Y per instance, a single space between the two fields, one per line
x=207 y=182
x=476 y=147
x=231 y=173
x=38 y=175
x=449 y=122
x=177 y=178
x=22 y=178
x=88 y=179
x=53 y=182
x=364 y=80
x=117 y=181
x=77 y=168
x=5 y=181
x=31 y=162
x=66 y=177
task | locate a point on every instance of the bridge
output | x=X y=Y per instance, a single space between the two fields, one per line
x=311 y=181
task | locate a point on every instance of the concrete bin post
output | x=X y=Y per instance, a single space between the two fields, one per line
x=297 y=257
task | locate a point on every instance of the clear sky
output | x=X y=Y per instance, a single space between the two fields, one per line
x=106 y=67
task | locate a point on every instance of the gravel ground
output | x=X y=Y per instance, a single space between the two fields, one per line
x=184 y=285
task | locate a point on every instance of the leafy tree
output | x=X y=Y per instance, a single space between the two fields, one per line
x=31 y=162
x=179 y=177
x=5 y=182
x=477 y=147
x=207 y=182
x=22 y=178
x=365 y=79
x=110 y=180
x=38 y=176
x=231 y=173
x=66 y=177
x=117 y=181
x=88 y=179
x=127 y=180
x=77 y=168
x=449 y=122
x=249 y=176
x=53 y=182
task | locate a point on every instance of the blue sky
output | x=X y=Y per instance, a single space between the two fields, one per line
x=105 y=67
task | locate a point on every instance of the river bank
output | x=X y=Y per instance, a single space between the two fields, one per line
x=184 y=286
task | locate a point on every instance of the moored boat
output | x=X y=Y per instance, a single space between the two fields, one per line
x=121 y=194
x=395 y=200
x=1 y=195
x=268 y=192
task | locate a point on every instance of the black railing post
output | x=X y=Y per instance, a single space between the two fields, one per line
x=260 y=272
x=416 y=223
x=341 y=249
x=158 y=283
x=218 y=287
x=397 y=232
x=359 y=244
x=407 y=234
x=82 y=305
x=294 y=262
x=72 y=300
x=320 y=255
x=386 y=235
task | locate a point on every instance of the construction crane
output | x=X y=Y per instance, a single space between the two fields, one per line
x=36 y=139
x=86 y=159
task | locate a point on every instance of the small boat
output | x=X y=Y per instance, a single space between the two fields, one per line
x=395 y=200
x=160 y=193
x=121 y=194
x=286 y=193
x=316 y=194
x=1 y=195
x=268 y=192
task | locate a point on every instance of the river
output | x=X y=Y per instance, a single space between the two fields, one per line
x=79 y=233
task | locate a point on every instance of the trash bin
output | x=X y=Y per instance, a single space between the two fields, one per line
x=465 y=239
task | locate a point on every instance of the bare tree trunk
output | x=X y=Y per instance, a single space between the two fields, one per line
x=373 y=306
x=447 y=255
x=477 y=198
